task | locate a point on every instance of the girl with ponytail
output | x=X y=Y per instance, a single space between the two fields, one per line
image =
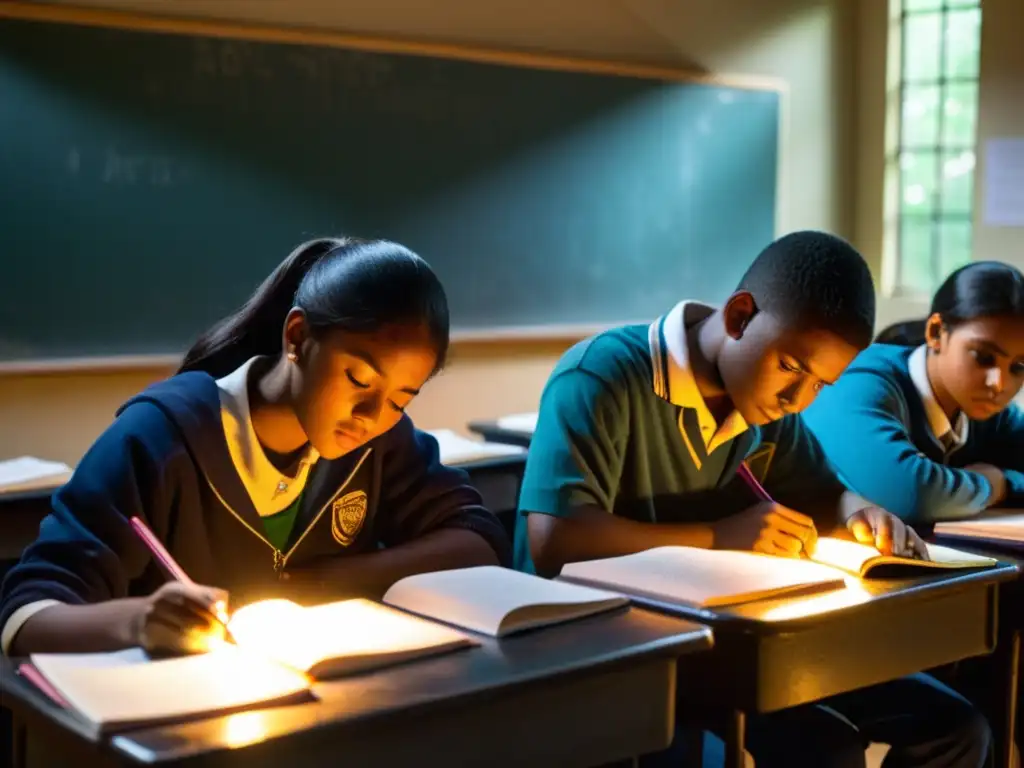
x=925 y=425
x=278 y=461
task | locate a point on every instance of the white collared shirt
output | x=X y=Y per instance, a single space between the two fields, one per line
x=674 y=380
x=949 y=436
x=270 y=490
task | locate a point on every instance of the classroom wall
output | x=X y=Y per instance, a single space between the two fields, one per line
x=1000 y=114
x=826 y=50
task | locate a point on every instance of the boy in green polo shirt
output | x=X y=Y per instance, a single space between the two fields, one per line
x=640 y=433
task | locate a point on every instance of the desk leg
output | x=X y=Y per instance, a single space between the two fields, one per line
x=1006 y=745
x=735 y=736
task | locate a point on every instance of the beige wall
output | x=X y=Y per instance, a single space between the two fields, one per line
x=1000 y=114
x=810 y=44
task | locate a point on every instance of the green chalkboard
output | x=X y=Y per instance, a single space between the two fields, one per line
x=149 y=181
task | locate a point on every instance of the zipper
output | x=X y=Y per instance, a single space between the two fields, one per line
x=281 y=558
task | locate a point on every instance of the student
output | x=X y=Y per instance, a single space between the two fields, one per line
x=638 y=439
x=278 y=461
x=930 y=431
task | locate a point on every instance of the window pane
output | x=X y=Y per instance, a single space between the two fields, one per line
x=921 y=38
x=921 y=5
x=954 y=245
x=918 y=182
x=916 y=254
x=920 y=122
x=960 y=115
x=963 y=42
x=957 y=181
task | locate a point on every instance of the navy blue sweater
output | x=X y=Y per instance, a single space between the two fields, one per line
x=873 y=427
x=166 y=460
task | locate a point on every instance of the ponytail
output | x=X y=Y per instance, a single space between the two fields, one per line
x=258 y=326
x=339 y=283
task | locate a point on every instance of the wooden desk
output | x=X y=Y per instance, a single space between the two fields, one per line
x=1007 y=657
x=579 y=694
x=493 y=432
x=776 y=654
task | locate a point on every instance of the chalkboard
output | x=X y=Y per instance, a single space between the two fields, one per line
x=150 y=181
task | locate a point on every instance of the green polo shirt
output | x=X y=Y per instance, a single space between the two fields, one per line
x=622 y=427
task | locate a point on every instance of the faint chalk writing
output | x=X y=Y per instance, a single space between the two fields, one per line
x=138 y=169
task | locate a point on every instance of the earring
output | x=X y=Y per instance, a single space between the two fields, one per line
x=293 y=356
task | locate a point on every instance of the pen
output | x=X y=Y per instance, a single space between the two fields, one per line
x=755 y=485
x=168 y=563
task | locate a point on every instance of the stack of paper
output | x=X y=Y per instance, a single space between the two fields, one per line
x=1003 y=526
x=28 y=473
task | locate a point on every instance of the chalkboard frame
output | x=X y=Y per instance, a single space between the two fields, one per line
x=131 y=21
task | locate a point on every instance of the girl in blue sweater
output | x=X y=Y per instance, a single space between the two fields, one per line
x=278 y=461
x=931 y=432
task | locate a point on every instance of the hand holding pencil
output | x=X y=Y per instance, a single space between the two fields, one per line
x=181 y=616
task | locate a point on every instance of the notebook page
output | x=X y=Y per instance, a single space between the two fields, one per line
x=495 y=601
x=109 y=694
x=842 y=553
x=348 y=628
x=701 y=577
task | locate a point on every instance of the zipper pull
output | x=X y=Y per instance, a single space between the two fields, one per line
x=278 y=563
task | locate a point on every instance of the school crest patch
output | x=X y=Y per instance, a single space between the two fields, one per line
x=347 y=517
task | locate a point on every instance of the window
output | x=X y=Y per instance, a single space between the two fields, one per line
x=932 y=162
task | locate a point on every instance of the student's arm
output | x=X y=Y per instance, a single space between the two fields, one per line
x=1007 y=453
x=572 y=478
x=861 y=425
x=433 y=519
x=69 y=591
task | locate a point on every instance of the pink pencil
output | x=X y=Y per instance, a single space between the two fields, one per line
x=161 y=554
x=748 y=477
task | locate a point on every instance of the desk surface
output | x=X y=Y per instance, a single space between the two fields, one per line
x=774 y=654
x=466 y=680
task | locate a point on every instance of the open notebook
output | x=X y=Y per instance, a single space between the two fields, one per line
x=867 y=562
x=717 y=578
x=1000 y=526
x=497 y=601
x=280 y=647
x=703 y=578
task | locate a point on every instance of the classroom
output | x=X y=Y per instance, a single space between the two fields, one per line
x=584 y=179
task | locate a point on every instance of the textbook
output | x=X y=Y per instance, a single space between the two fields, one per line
x=718 y=578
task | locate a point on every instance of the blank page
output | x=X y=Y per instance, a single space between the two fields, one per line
x=702 y=577
x=496 y=601
x=304 y=637
x=110 y=691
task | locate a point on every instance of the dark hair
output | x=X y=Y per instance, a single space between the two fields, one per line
x=815 y=280
x=907 y=333
x=975 y=290
x=980 y=289
x=345 y=284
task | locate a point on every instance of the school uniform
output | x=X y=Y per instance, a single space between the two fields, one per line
x=184 y=457
x=891 y=442
x=622 y=426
